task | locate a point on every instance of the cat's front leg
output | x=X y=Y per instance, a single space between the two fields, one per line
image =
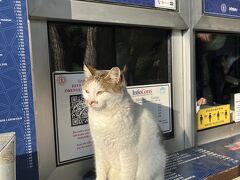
x=102 y=167
x=129 y=164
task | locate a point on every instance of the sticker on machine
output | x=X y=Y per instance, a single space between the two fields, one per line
x=156 y=98
x=73 y=139
x=167 y=4
x=213 y=116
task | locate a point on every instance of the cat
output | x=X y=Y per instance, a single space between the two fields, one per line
x=126 y=138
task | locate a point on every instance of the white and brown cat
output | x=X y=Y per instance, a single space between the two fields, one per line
x=127 y=140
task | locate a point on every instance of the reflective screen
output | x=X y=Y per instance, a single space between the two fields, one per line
x=217 y=67
x=145 y=51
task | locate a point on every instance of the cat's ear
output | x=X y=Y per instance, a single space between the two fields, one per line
x=114 y=75
x=88 y=70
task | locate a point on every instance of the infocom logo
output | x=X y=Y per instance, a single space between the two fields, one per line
x=141 y=92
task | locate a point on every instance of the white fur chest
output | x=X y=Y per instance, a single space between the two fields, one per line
x=113 y=130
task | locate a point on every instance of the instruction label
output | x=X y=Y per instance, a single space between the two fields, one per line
x=157 y=99
x=167 y=4
x=214 y=116
x=73 y=138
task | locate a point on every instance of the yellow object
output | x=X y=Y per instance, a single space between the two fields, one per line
x=214 y=116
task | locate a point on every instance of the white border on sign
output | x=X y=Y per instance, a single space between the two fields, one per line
x=59 y=151
x=167 y=103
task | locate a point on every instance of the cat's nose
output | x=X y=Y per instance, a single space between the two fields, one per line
x=91 y=102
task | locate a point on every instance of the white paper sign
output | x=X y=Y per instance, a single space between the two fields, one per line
x=168 y=4
x=237 y=107
x=8 y=156
x=157 y=98
x=71 y=121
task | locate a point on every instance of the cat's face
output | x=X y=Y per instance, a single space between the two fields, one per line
x=102 y=88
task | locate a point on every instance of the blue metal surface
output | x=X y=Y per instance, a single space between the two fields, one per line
x=203 y=161
x=225 y=8
x=146 y=3
x=16 y=98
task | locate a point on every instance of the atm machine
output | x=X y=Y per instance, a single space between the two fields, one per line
x=216 y=38
x=151 y=38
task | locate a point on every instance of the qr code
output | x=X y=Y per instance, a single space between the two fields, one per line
x=79 y=111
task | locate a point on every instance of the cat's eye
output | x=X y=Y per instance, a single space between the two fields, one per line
x=87 y=91
x=100 y=92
